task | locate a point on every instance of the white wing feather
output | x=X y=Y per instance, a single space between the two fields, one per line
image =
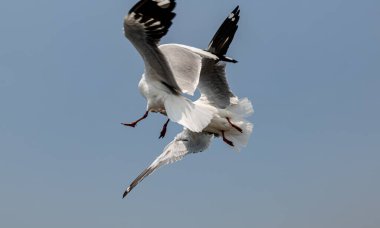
x=184 y=143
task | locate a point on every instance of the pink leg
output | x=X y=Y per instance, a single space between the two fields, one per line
x=226 y=140
x=133 y=124
x=234 y=126
x=163 y=131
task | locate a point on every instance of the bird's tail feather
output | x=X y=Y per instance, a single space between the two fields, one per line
x=242 y=108
x=240 y=139
x=195 y=117
x=239 y=111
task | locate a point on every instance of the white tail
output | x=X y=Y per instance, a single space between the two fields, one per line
x=195 y=117
x=240 y=139
x=242 y=109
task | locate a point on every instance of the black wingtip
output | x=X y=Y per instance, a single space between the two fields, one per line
x=237 y=8
x=125 y=194
x=156 y=16
x=222 y=39
x=227 y=59
x=143 y=5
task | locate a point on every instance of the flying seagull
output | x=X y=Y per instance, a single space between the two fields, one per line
x=230 y=119
x=170 y=70
x=215 y=90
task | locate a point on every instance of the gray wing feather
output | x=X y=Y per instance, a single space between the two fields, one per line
x=213 y=83
x=184 y=143
x=185 y=65
x=147 y=22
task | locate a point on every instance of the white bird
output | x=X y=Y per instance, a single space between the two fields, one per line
x=170 y=69
x=229 y=122
x=215 y=92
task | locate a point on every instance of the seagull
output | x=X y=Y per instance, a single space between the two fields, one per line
x=171 y=70
x=229 y=119
x=215 y=91
x=231 y=111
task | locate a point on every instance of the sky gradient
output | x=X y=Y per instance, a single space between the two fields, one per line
x=68 y=78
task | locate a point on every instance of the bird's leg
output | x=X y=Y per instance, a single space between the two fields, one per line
x=163 y=131
x=133 y=124
x=226 y=140
x=233 y=125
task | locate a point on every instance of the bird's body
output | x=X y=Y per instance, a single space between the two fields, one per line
x=156 y=92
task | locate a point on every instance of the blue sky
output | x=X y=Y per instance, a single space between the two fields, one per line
x=68 y=77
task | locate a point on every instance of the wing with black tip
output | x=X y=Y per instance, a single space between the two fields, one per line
x=184 y=143
x=146 y=23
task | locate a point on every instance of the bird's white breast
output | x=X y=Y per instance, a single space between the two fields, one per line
x=154 y=94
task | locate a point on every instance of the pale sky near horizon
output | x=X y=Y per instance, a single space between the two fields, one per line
x=68 y=78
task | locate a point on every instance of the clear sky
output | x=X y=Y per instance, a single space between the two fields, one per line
x=68 y=78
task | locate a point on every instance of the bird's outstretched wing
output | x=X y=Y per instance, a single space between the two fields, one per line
x=184 y=143
x=213 y=84
x=186 y=64
x=223 y=37
x=146 y=23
